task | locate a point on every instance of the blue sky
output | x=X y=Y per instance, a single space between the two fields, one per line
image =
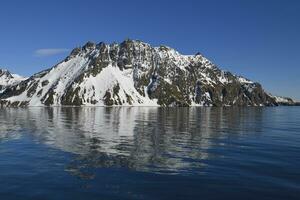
x=258 y=39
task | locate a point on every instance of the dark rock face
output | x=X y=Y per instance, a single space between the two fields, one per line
x=135 y=73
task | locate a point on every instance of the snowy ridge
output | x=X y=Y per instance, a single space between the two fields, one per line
x=134 y=73
x=6 y=78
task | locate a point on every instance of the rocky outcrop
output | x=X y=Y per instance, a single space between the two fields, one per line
x=133 y=73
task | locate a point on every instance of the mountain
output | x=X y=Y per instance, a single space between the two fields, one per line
x=286 y=101
x=7 y=79
x=134 y=73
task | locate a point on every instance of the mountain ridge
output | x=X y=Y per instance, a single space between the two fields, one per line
x=133 y=73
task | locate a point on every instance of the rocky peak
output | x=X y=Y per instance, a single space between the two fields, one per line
x=100 y=45
x=75 y=51
x=6 y=73
x=89 y=46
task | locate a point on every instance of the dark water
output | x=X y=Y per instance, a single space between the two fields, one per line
x=150 y=153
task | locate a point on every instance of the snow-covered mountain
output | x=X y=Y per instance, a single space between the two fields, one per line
x=8 y=79
x=286 y=101
x=134 y=73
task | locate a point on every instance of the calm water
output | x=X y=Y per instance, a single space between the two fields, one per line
x=150 y=153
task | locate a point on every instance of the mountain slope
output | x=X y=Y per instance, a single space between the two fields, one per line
x=134 y=73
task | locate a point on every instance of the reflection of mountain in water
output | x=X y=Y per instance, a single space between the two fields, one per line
x=138 y=138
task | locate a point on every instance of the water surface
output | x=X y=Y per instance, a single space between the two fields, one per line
x=150 y=153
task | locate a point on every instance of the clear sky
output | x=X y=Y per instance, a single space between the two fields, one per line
x=259 y=39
